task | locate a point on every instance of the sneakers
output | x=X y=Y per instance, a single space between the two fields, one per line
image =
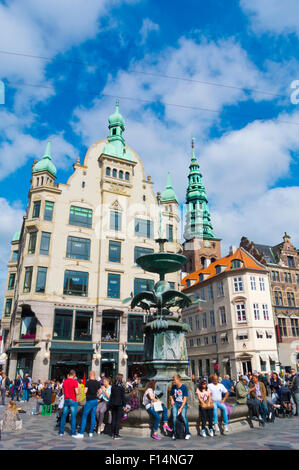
x=174 y=438
x=61 y=434
x=167 y=428
x=90 y=434
x=217 y=430
x=117 y=436
x=187 y=437
x=124 y=417
x=78 y=436
x=156 y=436
x=211 y=432
x=225 y=429
x=203 y=433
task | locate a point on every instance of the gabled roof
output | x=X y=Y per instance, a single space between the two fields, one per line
x=240 y=254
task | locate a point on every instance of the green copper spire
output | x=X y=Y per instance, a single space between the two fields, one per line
x=169 y=193
x=198 y=220
x=46 y=164
x=116 y=146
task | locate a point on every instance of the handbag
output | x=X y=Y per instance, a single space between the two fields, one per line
x=208 y=405
x=158 y=406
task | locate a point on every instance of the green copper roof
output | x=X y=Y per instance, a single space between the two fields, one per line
x=116 y=146
x=198 y=220
x=46 y=164
x=169 y=194
x=16 y=236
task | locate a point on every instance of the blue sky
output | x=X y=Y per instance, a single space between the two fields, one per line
x=245 y=125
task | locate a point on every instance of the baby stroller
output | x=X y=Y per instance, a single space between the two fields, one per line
x=286 y=407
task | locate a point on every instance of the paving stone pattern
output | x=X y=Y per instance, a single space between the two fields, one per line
x=41 y=433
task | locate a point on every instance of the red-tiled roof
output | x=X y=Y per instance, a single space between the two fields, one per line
x=240 y=254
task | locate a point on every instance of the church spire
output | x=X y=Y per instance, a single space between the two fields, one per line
x=198 y=220
x=46 y=164
x=169 y=194
x=116 y=146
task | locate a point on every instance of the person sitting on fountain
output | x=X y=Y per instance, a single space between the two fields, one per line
x=149 y=398
x=178 y=399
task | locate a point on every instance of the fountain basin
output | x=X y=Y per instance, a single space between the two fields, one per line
x=161 y=263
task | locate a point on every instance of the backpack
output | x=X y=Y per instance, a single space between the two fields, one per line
x=180 y=431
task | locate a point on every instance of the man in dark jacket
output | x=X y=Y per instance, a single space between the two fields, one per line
x=116 y=403
x=295 y=391
x=46 y=394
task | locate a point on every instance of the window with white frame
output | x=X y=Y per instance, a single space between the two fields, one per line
x=197 y=322
x=262 y=283
x=265 y=312
x=252 y=283
x=222 y=315
x=241 y=312
x=204 y=320
x=220 y=288
x=238 y=284
x=256 y=311
x=212 y=318
x=210 y=292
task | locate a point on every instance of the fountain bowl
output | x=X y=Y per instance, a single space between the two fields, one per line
x=161 y=263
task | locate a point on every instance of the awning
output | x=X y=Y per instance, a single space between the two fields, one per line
x=225 y=359
x=263 y=357
x=23 y=349
x=223 y=335
x=260 y=332
x=273 y=357
x=71 y=347
x=242 y=332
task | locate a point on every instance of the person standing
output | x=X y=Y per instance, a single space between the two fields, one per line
x=178 y=400
x=91 y=390
x=116 y=403
x=4 y=387
x=217 y=389
x=71 y=390
x=206 y=407
x=103 y=406
x=294 y=385
x=16 y=387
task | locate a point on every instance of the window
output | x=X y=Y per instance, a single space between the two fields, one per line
x=238 y=284
x=169 y=232
x=135 y=325
x=202 y=293
x=114 y=251
x=262 y=283
x=275 y=275
x=143 y=285
x=252 y=283
x=28 y=326
x=206 y=340
x=41 y=279
x=144 y=228
x=204 y=320
x=36 y=209
x=108 y=171
x=210 y=292
x=75 y=283
x=295 y=326
x=218 y=269
x=32 y=242
x=241 y=312
x=282 y=327
x=172 y=285
x=291 y=299
x=269 y=334
x=224 y=338
x=220 y=288
x=15 y=255
x=80 y=216
x=83 y=325
x=265 y=312
x=256 y=311
x=8 y=305
x=78 y=248
x=278 y=297
x=297 y=278
x=113 y=291
x=214 y=339
x=259 y=334
x=242 y=335
x=140 y=251
x=222 y=315
x=115 y=220
x=291 y=262
x=11 y=281
x=288 y=278
x=263 y=365
x=28 y=279
x=197 y=341
x=45 y=243
x=48 y=212
x=190 y=321
x=208 y=366
x=127 y=176
x=121 y=175
x=63 y=324
x=236 y=263
x=114 y=172
x=191 y=343
x=197 y=322
x=212 y=318
x=110 y=327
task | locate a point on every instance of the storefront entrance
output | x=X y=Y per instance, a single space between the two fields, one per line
x=60 y=371
x=24 y=364
x=62 y=363
x=246 y=366
x=109 y=363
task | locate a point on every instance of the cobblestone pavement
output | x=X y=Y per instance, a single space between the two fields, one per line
x=41 y=433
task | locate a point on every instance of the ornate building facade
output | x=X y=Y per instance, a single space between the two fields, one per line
x=74 y=261
x=282 y=263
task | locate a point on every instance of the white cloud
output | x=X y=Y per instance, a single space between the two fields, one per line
x=147 y=27
x=279 y=17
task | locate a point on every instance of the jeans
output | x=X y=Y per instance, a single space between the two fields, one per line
x=25 y=396
x=157 y=416
x=90 y=407
x=263 y=409
x=296 y=399
x=3 y=392
x=117 y=412
x=15 y=391
x=174 y=409
x=222 y=407
x=73 y=406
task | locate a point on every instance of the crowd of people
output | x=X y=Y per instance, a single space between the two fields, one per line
x=88 y=403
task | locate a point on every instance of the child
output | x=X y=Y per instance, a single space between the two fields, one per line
x=132 y=405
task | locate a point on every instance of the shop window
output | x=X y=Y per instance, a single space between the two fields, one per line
x=80 y=216
x=75 y=283
x=135 y=325
x=110 y=328
x=83 y=325
x=63 y=324
x=78 y=248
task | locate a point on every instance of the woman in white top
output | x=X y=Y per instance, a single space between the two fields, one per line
x=149 y=398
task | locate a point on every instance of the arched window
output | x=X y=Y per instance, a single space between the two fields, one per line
x=37 y=181
x=127 y=176
x=113 y=131
x=108 y=171
x=203 y=262
x=114 y=173
x=213 y=259
x=121 y=175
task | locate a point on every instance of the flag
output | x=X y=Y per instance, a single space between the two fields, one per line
x=84 y=380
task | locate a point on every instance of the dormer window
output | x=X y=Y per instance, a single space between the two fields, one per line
x=236 y=263
x=218 y=269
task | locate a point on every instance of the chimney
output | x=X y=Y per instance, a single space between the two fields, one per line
x=232 y=249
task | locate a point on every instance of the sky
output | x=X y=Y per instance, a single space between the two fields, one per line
x=221 y=72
